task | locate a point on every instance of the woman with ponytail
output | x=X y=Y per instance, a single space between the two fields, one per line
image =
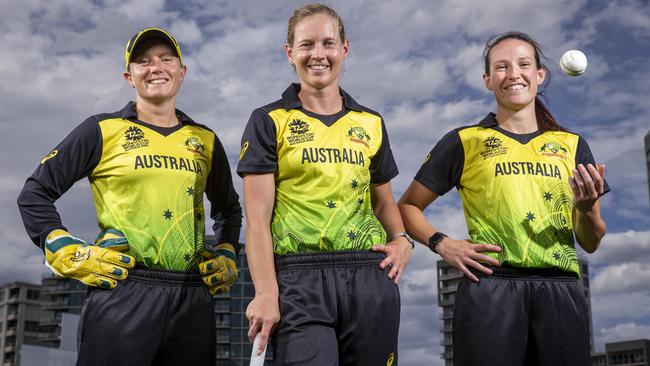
x=528 y=186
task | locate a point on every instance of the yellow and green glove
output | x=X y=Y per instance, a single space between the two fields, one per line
x=219 y=271
x=100 y=264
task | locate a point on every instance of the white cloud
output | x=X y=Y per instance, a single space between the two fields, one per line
x=620 y=307
x=468 y=66
x=627 y=177
x=623 y=247
x=624 y=331
x=428 y=122
x=420 y=324
x=137 y=9
x=421 y=356
x=625 y=277
x=402 y=79
x=22 y=262
x=416 y=62
x=187 y=30
x=633 y=15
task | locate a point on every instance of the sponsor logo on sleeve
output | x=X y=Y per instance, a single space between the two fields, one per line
x=391 y=359
x=49 y=156
x=244 y=147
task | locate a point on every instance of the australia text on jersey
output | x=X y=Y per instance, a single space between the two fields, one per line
x=332 y=155
x=525 y=167
x=167 y=162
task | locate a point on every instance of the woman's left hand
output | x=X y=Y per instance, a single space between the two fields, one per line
x=587 y=184
x=398 y=253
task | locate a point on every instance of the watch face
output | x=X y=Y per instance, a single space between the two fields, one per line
x=436 y=238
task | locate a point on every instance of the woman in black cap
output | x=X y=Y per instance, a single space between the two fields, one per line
x=148 y=165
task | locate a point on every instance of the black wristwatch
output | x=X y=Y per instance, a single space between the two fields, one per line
x=407 y=237
x=434 y=240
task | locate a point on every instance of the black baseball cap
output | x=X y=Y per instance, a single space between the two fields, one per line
x=149 y=33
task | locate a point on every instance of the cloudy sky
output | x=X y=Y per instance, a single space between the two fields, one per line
x=416 y=62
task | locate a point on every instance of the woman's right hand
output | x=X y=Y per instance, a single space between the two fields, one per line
x=263 y=313
x=462 y=253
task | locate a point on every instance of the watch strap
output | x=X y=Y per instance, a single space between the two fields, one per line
x=407 y=237
x=435 y=239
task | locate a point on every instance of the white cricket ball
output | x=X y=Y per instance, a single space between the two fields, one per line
x=573 y=63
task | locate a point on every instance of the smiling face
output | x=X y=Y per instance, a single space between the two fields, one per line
x=513 y=74
x=317 y=51
x=155 y=71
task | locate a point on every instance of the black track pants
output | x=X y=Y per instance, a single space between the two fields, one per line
x=336 y=309
x=516 y=318
x=153 y=317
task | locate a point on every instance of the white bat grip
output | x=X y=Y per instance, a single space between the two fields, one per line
x=257 y=360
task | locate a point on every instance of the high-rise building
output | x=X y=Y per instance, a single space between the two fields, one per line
x=20 y=314
x=59 y=295
x=626 y=353
x=586 y=290
x=598 y=359
x=233 y=347
x=232 y=326
x=647 y=157
x=65 y=354
x=448 y=279
x=33 y=314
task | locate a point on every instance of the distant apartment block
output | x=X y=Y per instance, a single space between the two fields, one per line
x=63 y=355
x=20 y=314
x=59 y=296
x=233 y=347
x=33 y=314
x=448 y=280
x=599 y=359
x=647 y=158
x=626 y=353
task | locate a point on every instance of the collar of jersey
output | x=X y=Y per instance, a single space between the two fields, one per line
x=490 y=121
x=129 y=112
x=291 y=100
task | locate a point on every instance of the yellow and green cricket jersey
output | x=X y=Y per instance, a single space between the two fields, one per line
x=323 y=168
x=147 y=182
x=514 y=189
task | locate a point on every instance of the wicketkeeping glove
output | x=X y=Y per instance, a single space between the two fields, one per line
x=219 y=271
x=98 y=265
